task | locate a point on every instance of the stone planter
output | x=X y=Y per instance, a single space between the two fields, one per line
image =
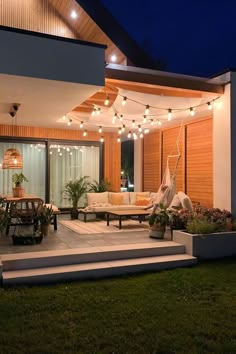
x=207 y=246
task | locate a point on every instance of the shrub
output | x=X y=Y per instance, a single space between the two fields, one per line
x=196 y=226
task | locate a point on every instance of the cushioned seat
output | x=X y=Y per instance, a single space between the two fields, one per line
x=56 y=211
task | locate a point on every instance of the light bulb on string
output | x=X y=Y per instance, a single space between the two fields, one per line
x=159 y=122
x=69 y=122
x=141 y=135
x=93 y=111
x=123 y=128
x=139 y=128
x=124 y=101
x=146 y=131
x=152 y=122
x=107 y=101
x=144 y=119
x=121 y=117
x=147 y=110
x=85 y=133
x=98 y=110
x=209 y=106
x=191 y=111
x=119 y=131
x=133 y=123
x=81 y=124
x=129 y=135
x=118 y=139
x=100 y=129
x=102 y=139
x=134 y=136
x=169 y=114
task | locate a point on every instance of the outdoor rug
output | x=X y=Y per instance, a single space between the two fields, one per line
x=98 y=227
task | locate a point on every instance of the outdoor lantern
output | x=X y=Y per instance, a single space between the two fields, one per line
x=12 y=159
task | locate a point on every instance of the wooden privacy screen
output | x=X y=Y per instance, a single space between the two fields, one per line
x=152 y=162
x=199 y=160
x=112 y=150
x=195 y=170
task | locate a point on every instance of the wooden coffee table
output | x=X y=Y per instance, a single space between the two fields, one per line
x=127 y=213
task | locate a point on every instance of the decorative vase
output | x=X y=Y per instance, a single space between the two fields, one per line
x=157 y=231
x=44 y=228
x=18 y=192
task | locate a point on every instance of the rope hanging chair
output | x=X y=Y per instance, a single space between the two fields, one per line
x=167 y=189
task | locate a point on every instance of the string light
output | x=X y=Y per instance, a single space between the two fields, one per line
x=139 y=128
x=144 y=119
x=147 y=110
x=159 y=122
x=118 y=139
x=85 y=133
x=81 y=124
x=98 y=110
x=123 y=128
x=146 y=131
x=100 y=129
x=107 y=101
x=134 y=136
x=69 y=122
x=119 y=131
x=129 y=135
x=102 y=139
x=152 y=122
x=209 y=106
x=93 y=111
x=121 y=117
x=133 y=123
x=191 y=110
x=169 y=114
x=124 y=101
x=141 y=135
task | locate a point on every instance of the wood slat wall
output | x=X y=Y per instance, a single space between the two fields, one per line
x=195 y=171
x=199 y=160
x=112 y=150
x=152 y=162
x=34 y=15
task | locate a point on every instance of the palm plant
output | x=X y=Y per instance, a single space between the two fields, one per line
x=75 y=190
x=99 y=187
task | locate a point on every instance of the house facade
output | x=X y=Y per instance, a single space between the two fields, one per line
x=70 y=67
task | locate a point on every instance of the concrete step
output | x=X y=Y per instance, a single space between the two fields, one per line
x=85 y=255
x=96 y=269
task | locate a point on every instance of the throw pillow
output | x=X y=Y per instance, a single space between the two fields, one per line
x=97 y=198
x=185 y=201
x=141 y=201
x=133 y=196
x=116 y=199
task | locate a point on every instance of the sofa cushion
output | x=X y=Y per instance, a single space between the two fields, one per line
x=140 y=194
x=93 y=198
x=142 y=200
x=185 y=201
x=123 y=195
x=115 y=207
x=116 y=199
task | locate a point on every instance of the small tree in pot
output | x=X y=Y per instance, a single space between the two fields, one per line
x=75 y=190
x=18 y=179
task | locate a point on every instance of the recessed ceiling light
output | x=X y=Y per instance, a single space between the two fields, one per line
x=113 y=58
x=73 y=14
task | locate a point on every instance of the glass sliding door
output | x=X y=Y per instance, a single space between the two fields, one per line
x=34 y=168
x=68 y=162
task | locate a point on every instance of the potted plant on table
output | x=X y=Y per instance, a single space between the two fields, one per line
x=45 y=216
x=75 y=190
x=18 y=179
x=158 y=221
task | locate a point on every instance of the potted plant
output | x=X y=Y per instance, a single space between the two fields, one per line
x=75 y=190
x=4 y=216
x=45 y=216
x=18 y=179
x=158 y=221
x=99 y=187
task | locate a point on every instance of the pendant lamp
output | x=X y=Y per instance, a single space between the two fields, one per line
x=12 y=158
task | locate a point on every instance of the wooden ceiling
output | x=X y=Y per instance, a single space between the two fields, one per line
x=85 y=28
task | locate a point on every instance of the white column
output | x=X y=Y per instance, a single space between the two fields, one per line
x=224 y=148
x=138 y=165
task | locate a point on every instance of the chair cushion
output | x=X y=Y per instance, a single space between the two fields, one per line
x=185 y=201
x=54 y=208
x=116 y=199
x=133 y=196
x=142 y=200
x=124 y=197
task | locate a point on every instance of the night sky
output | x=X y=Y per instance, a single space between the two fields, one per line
x=195 y=37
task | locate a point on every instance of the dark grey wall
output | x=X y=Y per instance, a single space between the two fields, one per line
x=48 y=58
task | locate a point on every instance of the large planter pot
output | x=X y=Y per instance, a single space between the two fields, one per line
x=18 y=192
x=44 y=228
x=207 y=246
x=74 y=213
x=157 y=231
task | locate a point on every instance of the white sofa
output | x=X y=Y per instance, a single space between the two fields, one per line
x=102 y=202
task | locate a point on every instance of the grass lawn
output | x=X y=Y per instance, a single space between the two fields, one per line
x=191 y=310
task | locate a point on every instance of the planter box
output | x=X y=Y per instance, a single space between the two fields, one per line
x=209 y=246
x=27 y=239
